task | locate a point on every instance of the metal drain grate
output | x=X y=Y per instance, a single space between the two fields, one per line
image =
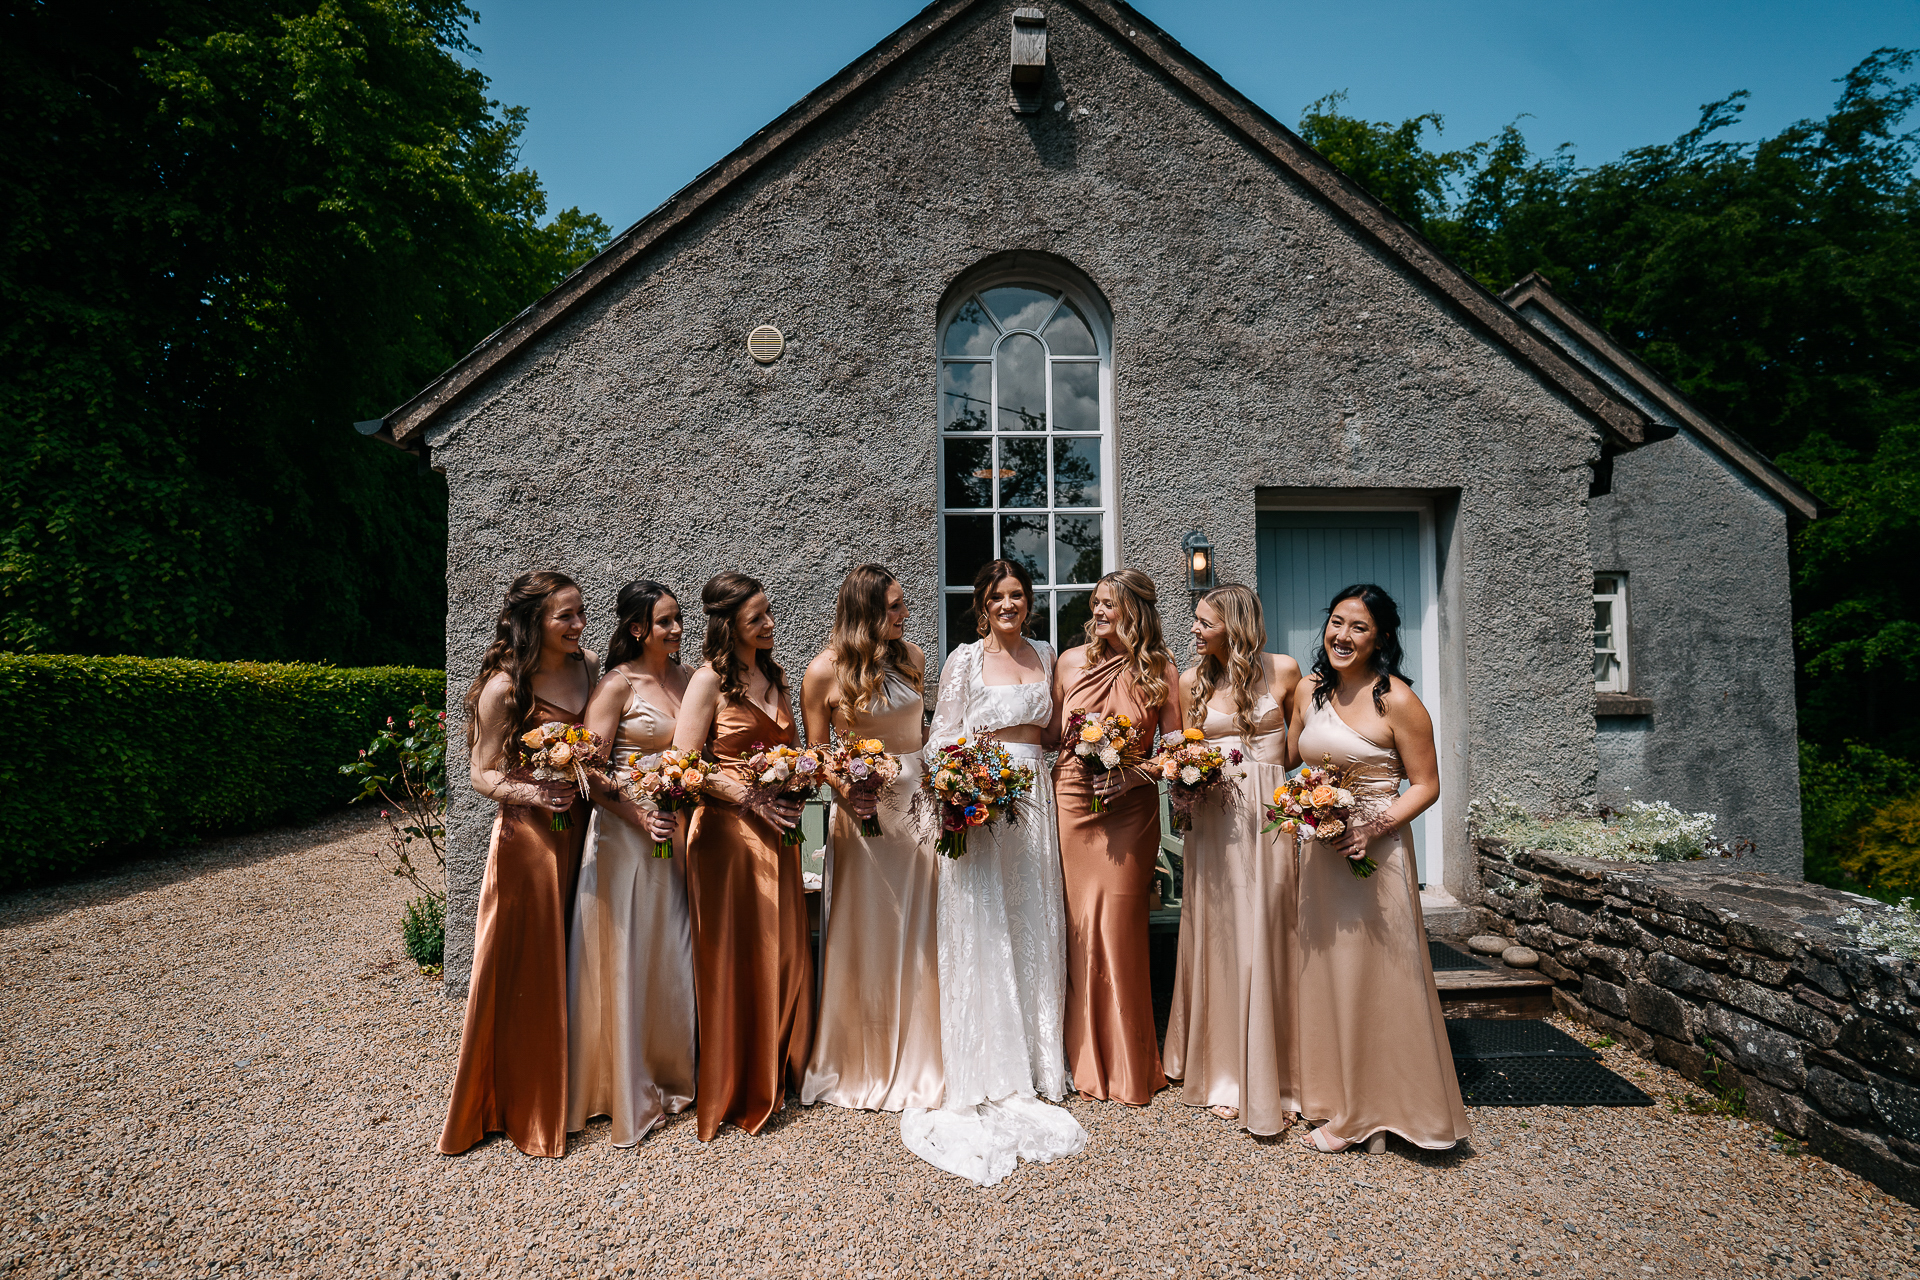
x=1447 y=959
x=1543 y=1082
x=1511 y=1038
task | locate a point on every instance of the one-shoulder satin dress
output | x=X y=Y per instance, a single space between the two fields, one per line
x=1108 y=860
x=752 y=956
x=1230 y=1037
x=630 y=1013
x=876 y=1040
x=512 y=1076
x=1372 y=1041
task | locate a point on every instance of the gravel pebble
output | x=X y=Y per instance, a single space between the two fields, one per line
x=222 y=1064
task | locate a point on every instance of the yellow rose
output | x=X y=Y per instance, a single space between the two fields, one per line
x=1123 y=722
x=872 y=746
x=1091 y=734
x=1193 y=735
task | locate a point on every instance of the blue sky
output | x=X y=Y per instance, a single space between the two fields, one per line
x=629 y=99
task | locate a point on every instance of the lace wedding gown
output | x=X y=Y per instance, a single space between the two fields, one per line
x=1002 y=957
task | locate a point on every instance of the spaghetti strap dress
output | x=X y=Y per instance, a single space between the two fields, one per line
x=512 y=1074
x=752 y=956
x=1373 y=1042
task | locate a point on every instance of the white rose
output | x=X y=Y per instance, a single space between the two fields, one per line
x=1190 y=775
x=1346 y=798
x=1110 y=758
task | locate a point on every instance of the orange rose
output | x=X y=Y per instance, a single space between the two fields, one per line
x=1192 y=735
x=561 y=756
x=1324 y=796
x=534 y=739
x=1091 y=734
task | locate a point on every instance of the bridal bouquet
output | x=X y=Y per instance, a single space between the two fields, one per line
x=973 y=782
x=1315 y=803
x=789 y=772
x=1193 y=769
x=557 y=754
x=664 y=782
x=867 y=769
x=1103 y=743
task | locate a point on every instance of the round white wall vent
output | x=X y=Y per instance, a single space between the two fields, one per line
x=766 y=343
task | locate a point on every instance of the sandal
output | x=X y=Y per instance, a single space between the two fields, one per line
x=1312 y=1141
x=1226 y=1113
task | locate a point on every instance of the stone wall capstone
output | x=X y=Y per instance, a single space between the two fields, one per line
x=1691 y=961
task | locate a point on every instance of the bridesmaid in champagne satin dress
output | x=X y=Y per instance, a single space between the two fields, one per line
x=1230 y=1036
x=630 y=1012
x=1109 y=858
x=512 y=1073
x=876 y=1045
x=753 y=962
x=1374 y=1057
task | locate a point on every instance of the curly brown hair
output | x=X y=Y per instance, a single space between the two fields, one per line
x=862 y=660
x=516 y=650
x=721 y=599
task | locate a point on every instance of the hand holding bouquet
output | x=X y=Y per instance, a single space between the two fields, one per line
x=1316 y=804
x=865 y=768
x=1193 y=769
x=1103 y=744
x=973 y=782
x=664 y=782
x=785 y=773
x=557 y=754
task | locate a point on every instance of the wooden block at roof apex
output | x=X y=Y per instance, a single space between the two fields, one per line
x=1029 y=59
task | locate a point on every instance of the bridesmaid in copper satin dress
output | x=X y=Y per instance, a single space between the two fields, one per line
x=630 y=1013
x=752 y=958
x=512 y=1075
x=1373 y=1044
x=1108 y=859
x=1230 y=1036
x=876 y=1045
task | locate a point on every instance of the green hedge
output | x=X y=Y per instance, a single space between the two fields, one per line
x=109 y=755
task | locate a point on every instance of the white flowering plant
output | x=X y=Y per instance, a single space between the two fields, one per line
x=1639 y=831
x=1894 y=931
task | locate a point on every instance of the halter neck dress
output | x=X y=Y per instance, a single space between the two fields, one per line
x=1230 y=1036
x=1108 y=860
x=752 y=954
x=1373 y=1043
x=512 y=1074
x=876 y=1045
x=630 y=1010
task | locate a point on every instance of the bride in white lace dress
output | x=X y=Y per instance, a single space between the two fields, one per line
x=1001 y=918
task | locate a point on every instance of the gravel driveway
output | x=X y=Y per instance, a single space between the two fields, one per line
x=221 y=1064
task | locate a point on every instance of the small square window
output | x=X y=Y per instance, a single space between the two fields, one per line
x=1610 y=632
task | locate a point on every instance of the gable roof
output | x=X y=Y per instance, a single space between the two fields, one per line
x=1534 y=290
x=1364 y=214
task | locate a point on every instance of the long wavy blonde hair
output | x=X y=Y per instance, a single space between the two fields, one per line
x=862 y=658
x=1136 y=630
x=1246 y=626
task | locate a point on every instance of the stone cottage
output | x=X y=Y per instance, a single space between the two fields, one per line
x=1040 y=283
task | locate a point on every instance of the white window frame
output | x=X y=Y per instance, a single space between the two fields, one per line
x=1095 y=317
x=1615 y=597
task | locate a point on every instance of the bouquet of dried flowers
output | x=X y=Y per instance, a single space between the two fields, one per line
x=1193 y=769
x=557 y=755
x=663 y=782
x=973 y=782
x=866 y=768
x=1102 y=743
x=1316 y=804
x=794 y=773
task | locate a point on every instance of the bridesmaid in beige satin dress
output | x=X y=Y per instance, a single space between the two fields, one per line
x=1230 y=1037
x=1373 y=1044
x=512 y=1073
x=876 y=1041
x=630 y=1013
x=752 y=958
x=1108 y=859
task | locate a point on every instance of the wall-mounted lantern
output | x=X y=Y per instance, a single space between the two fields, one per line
x=1199 y=561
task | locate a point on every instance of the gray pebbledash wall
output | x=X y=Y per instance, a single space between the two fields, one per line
x=1257 y=343
x=1704 y=549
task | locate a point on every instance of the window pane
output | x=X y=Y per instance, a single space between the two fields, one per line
x=1605 y=586
x=1024 y=539
x=1076 y=397
x=970 y=333
x=1068 y=335
x=1023 y=472
x=1076 y=610
x=1018 y=307
x=965 y=391
x=969 y=473
x=960 y=628
x=1604 y=665
x=1076 y=473
x=969 y=545
x=1023 y=398
x=1076 y=548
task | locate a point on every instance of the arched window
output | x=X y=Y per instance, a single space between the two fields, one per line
x=1025 y=460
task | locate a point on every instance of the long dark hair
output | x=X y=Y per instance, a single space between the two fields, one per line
x=517 y=636
x=1384 y=663
x=721 y=600
x=988 y=578
x=636 y=604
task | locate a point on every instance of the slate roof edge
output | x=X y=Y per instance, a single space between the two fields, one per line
x=1534 y=289
x=404 y=425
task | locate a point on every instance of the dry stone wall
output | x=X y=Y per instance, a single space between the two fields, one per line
x=1684 y=960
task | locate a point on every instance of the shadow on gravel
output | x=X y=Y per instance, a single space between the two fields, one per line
x=139 y=872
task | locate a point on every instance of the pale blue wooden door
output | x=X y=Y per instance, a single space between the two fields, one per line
x=1306 y=556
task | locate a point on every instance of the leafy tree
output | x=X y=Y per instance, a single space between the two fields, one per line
x=230 y=232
